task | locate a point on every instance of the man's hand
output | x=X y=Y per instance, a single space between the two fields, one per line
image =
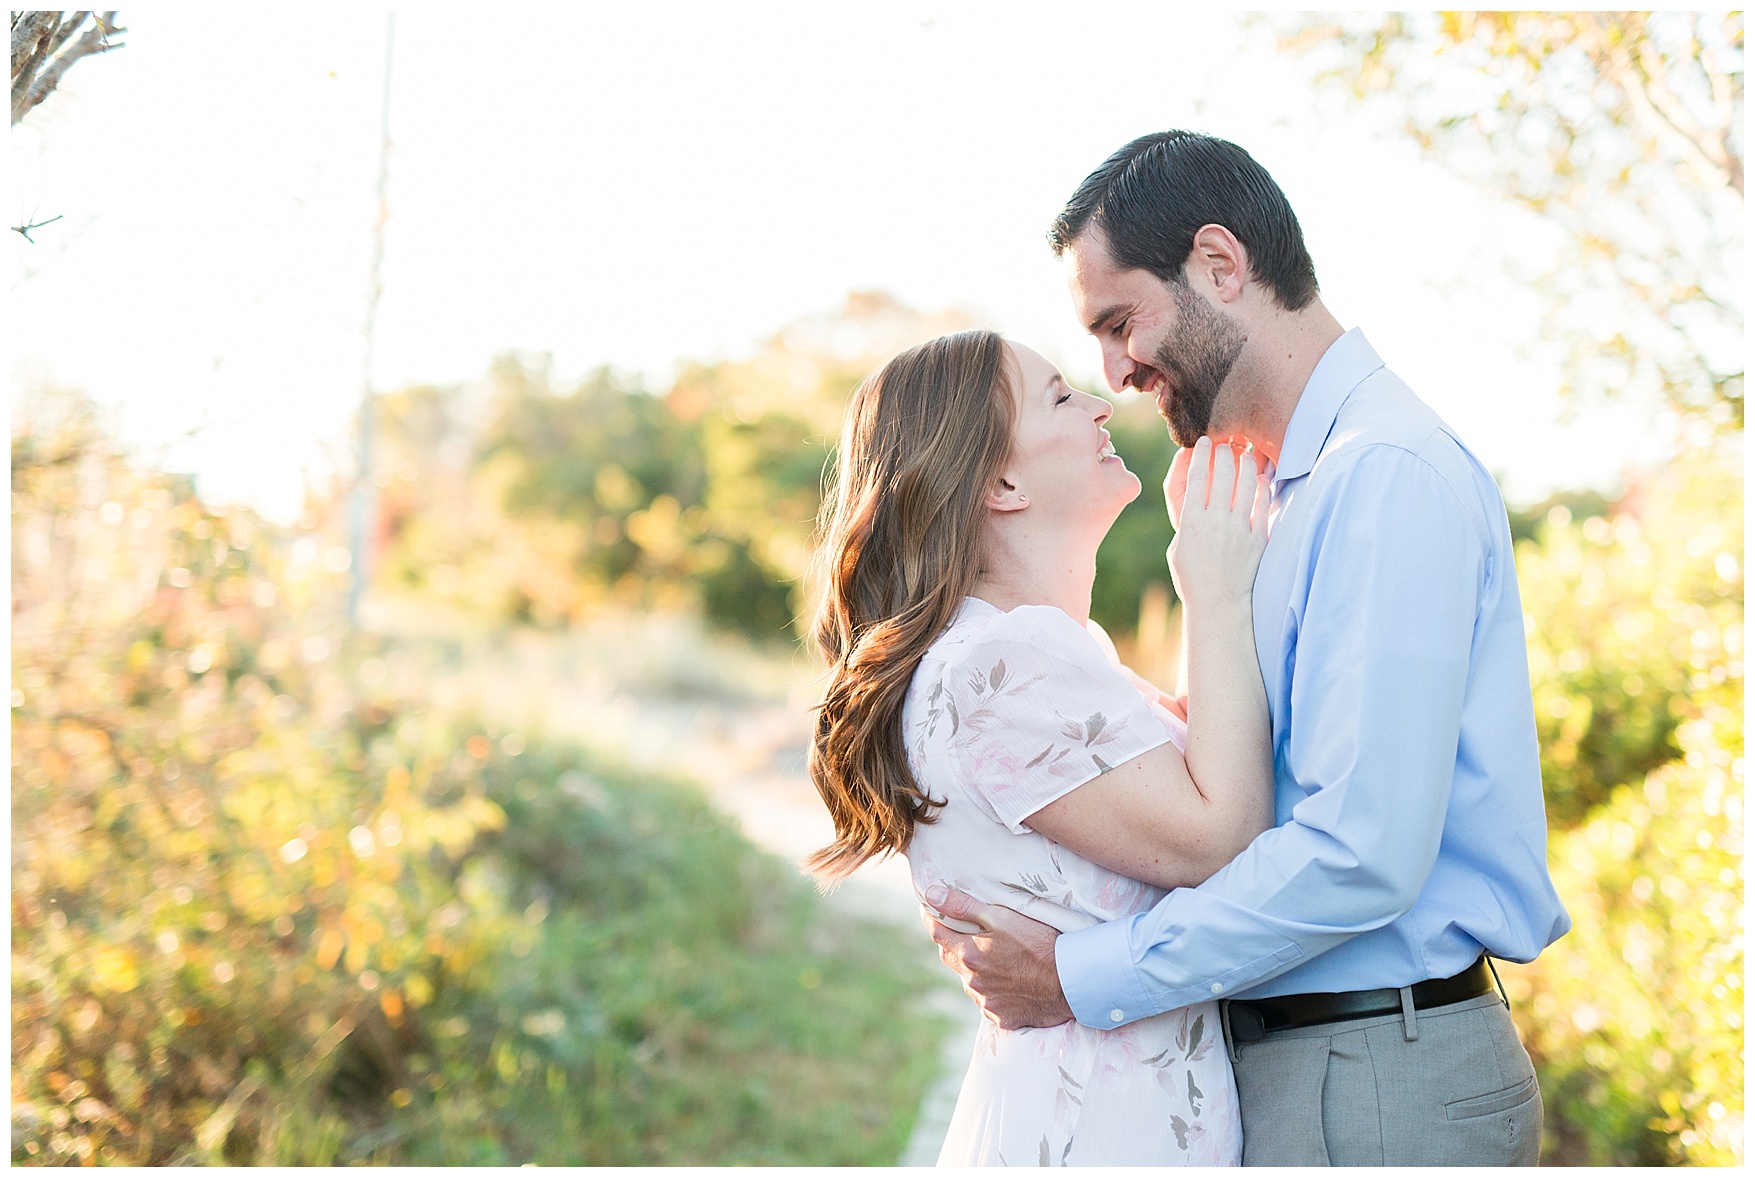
x=1008 y=967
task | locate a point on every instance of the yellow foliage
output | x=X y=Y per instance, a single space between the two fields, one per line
x=1636 y=653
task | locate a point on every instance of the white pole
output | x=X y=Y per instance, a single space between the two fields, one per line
x=362 y=501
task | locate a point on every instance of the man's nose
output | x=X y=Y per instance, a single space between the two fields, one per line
x=1118 y=366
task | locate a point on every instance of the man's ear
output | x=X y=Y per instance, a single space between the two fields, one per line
x=1219 y=262
x=1004 y=496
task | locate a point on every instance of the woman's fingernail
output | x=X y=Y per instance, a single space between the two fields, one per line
x=936 y=895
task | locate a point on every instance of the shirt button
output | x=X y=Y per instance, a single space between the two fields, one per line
x=1116 y=1016
x=1218 y=987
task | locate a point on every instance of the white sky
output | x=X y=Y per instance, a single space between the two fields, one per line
x=642 y=184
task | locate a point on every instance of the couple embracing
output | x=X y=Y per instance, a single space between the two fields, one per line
x=1251 y=925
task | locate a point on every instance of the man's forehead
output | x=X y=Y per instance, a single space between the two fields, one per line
x=1092 y=270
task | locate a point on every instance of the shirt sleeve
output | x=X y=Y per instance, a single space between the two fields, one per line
x=1392 y=579
x=1035 y=710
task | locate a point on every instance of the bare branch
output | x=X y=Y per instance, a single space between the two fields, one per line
x=68 y=27
x=31 y=32
x=1657 y=106
x=39 y=68
x=24 y=230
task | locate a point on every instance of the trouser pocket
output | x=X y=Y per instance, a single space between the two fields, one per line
x=1501 y=1128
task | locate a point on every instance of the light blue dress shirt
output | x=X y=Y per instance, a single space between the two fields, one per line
x=1409 y=830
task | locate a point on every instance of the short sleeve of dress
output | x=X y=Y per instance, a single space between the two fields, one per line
x=1034 y=708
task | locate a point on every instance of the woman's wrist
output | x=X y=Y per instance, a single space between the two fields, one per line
x=1218 y=610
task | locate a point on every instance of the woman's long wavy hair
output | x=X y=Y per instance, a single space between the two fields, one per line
x=899 y=549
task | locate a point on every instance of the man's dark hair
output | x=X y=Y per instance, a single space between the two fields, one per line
x=1152 y=196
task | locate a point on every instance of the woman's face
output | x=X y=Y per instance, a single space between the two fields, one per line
x=1063 y=465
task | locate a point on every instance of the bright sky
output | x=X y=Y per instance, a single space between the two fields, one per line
x=641 y=184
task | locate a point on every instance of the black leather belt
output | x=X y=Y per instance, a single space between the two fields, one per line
x=1251 y=1020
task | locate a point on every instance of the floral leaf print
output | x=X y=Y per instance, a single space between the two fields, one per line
x=1044 y=1154
x=1202 y=1052
x=956 y=721
x=1182 y=1033
x=1014 y=686
x=1102 y=765
x=978 y=683
x=1195 y=1095
x=1064 y=1100
x=1040 y=757
x=1037 y=886
x=996 y=676
x=1158 y=1059
x=1066 y=1151
x=933 y=708
x=1194 y=1037
x=1094 y=725
x=1072 y=730
x=1181 y=1128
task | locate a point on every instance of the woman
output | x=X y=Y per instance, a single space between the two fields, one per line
x=976 y=721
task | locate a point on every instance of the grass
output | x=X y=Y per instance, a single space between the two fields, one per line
x=680 y=998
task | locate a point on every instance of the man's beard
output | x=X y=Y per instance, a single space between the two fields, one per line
x=1195 y=360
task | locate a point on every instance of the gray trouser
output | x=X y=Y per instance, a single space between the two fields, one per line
x=1460 y=1092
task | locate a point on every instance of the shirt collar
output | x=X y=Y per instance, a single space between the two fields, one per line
x=1348 y=361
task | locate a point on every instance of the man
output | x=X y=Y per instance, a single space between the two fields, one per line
x=1349 y=941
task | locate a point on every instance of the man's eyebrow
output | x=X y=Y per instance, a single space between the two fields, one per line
x=1103 y=318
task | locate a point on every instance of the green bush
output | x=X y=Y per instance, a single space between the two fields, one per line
x=264 y=915
x=1636 y=653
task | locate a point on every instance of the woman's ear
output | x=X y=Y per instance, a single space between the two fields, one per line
x=1004 y=496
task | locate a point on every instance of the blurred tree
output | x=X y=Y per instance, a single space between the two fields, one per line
x=769 y=428
x=707 y=493
x=597 y=460
x=1625 y=131
x=44 y=49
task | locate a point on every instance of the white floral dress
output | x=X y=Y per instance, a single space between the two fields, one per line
x=1007 y=712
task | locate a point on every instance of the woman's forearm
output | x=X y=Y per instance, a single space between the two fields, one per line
x=1230 y=750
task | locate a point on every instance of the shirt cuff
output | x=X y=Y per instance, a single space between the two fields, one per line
x=1099 y=977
